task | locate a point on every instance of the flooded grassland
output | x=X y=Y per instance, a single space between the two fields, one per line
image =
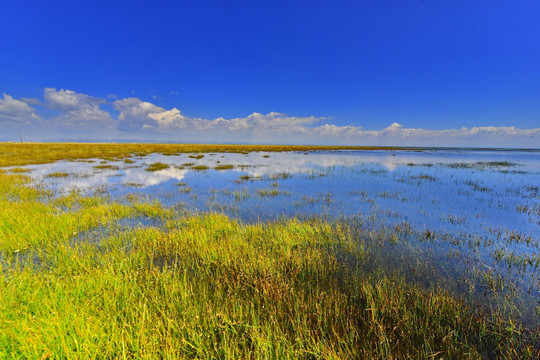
x=302 y=253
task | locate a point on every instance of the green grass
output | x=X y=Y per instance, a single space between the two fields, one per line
x=209 y=287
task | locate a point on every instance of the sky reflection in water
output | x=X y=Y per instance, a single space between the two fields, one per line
x=464 y=191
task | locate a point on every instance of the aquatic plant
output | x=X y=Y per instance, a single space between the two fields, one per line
x=200 y=167
x=106 y=166
x=157 y=166
x=224 y=167
x=197 y=157
x=57 y=174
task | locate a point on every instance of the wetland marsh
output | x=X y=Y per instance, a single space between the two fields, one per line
x=269 y=252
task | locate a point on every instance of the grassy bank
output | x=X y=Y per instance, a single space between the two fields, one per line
x=37 y=153
x=79 y=284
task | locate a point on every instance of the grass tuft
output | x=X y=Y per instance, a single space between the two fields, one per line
x=200 y=167
x=157 y=166
x=224 y=167
x=57 y=174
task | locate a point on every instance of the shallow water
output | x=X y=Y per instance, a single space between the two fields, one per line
x=483 y=204
x=457 y=191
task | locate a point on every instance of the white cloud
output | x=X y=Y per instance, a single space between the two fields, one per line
x=280 y=128
x=398 y=130
x=16 y=110
x=134 y=113
x=77 y=109
x=170 y=118
x=488 y=136
x=68 y=100
x=328 y=130
x=31 y=101
x=145 y=120
x=273 y=122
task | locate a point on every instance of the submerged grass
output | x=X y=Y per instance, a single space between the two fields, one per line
x=106 y=167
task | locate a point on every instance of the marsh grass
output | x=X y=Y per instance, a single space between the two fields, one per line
x=19 y=170
x=106 y=167
x=38 y=153
x=207 y=286
x=157 y=166
x=272 y=192
x=200 y=167
x=280 y=176
x=480 y=165
x=57 y=174
x=224 y=167
x=196 y=157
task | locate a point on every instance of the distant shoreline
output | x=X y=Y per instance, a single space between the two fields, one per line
x=271 y=147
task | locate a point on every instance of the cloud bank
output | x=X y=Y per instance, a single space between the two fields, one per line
x=84 y=117
x=77 y=109
x=12 y=110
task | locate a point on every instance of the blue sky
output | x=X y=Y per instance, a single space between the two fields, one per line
x=451 y=73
